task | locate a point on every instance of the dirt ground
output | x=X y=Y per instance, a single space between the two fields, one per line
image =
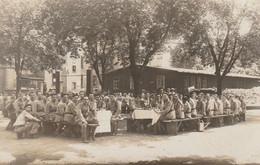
x=236 y=144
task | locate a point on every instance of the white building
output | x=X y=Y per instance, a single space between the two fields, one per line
x=73 y=76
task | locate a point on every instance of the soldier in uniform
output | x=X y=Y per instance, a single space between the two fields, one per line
x=226 y=105
x=166 y=112
x=11 y=112
x=4 y=103
x=178 y=106
x=201 y=105
x=81 y=97
x=32 y=102
x=82 y=110
x=186 y=107
x=243 y=104
x=51 y=108
x=61 y=108
x=40 y=110
x=211 y=105
x=101 y=104
x=115 y=108
x=70 y=115
x=50 y=113
x=220 y=108
x=26 y=123
x=19 y=104
x=193 y=104
x=91 y=118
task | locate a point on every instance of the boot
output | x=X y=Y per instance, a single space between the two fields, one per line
x=93 y=130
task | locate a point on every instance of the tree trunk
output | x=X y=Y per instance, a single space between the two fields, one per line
x=103 y=80
x=18 y=82
x=136 y=75
x=219 y=85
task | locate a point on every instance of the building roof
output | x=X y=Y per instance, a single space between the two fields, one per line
x=193 y=71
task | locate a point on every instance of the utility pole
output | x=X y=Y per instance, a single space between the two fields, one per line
x=89 y=85
x=57 y=75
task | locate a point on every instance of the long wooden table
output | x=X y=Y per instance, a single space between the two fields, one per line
x=140 y=119
x=173 y=126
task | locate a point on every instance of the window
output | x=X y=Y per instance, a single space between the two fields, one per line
x=74 y=68
x=82 y=81
x=131 y=83
x=204 y=82
x=186 y=82
x=160 y=81
x=192 y=81
x=198 y=82
x=115 y=83
x=74 y=85
x=53 y=79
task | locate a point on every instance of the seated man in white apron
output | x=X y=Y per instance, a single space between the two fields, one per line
x=167 y=113
x=26 y=123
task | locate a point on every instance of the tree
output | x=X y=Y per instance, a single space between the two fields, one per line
x=220 y=39
x=20 y=44
x=99 y=36
x=147 y=25
x=86 y=27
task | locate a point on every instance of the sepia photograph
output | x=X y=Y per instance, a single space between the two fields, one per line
x=129 y=82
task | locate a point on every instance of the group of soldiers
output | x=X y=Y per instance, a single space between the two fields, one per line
x=75 y=114
x=171 y=105
x=66 y=114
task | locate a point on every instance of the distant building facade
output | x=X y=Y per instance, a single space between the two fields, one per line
x=73 y=76
x=154 y=78
x=29 y=81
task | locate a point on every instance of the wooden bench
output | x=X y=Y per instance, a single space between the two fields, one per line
x=173 y=126
x=52 y=124
x=215 y=121
x=229 y=120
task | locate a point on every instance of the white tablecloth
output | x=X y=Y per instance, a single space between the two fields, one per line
x=146 y=114
x=104 y=118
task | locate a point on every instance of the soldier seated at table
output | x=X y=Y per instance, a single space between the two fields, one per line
x=61 y=109
x=101 y=104
x=226 y=105
x=26 y=124
x=115 y=108
x=211 y=105
x=69 y=116
x=91 y=118
x=132 y=105
x=81 y=111
x=186 y=107
x=51 y=108
x=235 y=107
x=167 y=112
x=201 y=105
x=145 y=100
x=243 y=108
x=193 y=103
x=219 y=109
x=40 y=109
x=178 y=106
x=50 y=113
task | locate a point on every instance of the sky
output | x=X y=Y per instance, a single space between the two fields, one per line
x=164 y=59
